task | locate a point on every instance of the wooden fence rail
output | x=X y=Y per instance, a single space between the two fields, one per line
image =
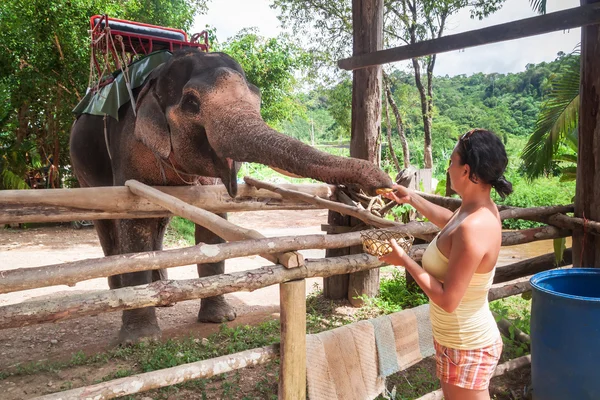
x=118 y=202
x=73 y=272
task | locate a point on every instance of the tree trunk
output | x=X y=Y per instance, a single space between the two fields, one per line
x=426 y=115
x=389 y=130
x=586 y=247
x=367 y=23
x=399 y=124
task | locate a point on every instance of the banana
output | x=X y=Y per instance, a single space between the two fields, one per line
x=383 y=190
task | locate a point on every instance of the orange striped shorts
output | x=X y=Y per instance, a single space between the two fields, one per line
x=468 y=369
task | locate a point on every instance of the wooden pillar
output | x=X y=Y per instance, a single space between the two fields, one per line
x=367 y=22
x=292 y=367
x=586 y=247
x=336 y=287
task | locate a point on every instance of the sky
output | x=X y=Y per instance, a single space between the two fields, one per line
x=504 y=57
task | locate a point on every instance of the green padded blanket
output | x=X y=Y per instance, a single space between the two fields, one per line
x=112 y=96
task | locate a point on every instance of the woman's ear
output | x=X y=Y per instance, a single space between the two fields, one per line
x=151 y=124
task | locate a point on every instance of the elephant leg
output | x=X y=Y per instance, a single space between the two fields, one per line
x=107 y=234
x=136 y=236
x=212 y=309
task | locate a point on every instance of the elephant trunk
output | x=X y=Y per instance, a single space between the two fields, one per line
x=242 y=135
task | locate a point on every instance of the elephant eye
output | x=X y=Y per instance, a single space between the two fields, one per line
x=190 y=104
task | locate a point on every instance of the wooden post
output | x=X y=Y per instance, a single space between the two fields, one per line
x=367 y=23
x=586 y=247
x=292 y=368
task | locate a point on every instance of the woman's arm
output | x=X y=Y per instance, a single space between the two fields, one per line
x=464 y=260
x=436 y=214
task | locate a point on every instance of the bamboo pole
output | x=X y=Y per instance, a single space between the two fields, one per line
x=117 y=202
x=292 y=368
x=168 y=376
x=212 y=222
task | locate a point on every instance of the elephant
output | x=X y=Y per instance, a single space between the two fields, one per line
x=196 y=119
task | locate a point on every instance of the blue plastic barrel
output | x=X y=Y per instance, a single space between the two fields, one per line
x=565 y=334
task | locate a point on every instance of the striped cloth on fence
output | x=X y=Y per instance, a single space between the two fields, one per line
x=351 y=362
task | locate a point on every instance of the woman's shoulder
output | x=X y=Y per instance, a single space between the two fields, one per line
x=479 y=221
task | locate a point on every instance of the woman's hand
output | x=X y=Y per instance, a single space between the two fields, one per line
x=400 y=195
x=397 y=256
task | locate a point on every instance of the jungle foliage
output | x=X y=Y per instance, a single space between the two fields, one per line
x=45 y=64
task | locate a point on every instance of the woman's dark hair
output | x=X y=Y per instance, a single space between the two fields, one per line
x=484 y=152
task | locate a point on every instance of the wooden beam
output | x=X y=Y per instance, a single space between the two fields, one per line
x=73 y=272
x=168 y=376
x=221 y=227
x=587 y=186
x=292 y=367
x=531 y=266
x=556 y=21
x=117 y=202
x=511 y=288
x=161 y=293
x=513 y=238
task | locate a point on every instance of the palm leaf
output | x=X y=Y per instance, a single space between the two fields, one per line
x=557 y=119
x=10 y=180
x=566 y=158
x=568 y=174
x=538 y=6
x=559 y=250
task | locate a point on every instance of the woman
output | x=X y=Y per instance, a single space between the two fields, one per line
x=459 y=264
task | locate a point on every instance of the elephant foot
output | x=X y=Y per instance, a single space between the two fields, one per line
x=216 y=310
x=144 y=332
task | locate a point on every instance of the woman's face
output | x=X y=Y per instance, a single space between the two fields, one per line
x=457 y=171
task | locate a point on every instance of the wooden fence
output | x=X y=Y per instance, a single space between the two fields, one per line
x=136 y=200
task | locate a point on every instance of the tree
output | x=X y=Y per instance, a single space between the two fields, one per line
x=405 y=21
x=270 y=64
x=44 y=70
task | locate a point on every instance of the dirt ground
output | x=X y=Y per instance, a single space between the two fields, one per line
x=23 y=248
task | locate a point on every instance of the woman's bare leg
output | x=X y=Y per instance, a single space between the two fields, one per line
x=452 y=392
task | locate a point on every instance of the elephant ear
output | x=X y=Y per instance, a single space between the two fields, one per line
x=151 y=123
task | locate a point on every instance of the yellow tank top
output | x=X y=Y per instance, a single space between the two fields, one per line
x=471 y=325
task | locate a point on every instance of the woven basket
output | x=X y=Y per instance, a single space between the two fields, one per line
x=376 y=242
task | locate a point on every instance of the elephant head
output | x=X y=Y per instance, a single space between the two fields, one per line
x=199 y=110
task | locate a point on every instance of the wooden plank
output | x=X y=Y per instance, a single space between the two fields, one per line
x=212 y=222
x=292 y=367
x=169 y=376
x=556 y=21
x=117 y=202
